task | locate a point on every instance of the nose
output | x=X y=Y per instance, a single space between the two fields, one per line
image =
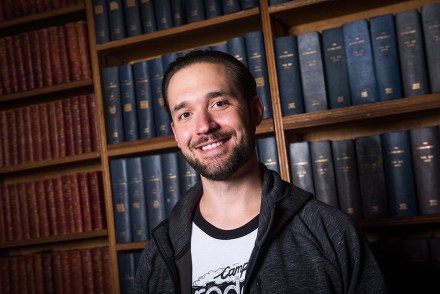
x=205 y=123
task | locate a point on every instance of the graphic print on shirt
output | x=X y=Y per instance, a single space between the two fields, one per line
x=226 y=280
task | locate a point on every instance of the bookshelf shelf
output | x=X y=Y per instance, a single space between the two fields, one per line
x=400 y=221
x=131 y=246
x=284 y=7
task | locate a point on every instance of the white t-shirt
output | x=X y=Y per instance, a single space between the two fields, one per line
x=220 y=257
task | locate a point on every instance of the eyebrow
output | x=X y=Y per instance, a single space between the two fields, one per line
x=210 y=95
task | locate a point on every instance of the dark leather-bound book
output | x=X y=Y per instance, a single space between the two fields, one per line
x=86 y=208
x=51 y=207
x=21 y=139
x=43 y=214
x=4 y=135
x=36 y=133
x=132 y=17
x=48 y=273
x=5 y=78
x=116 y=20
x=213 y=8
x=231 y=6
x=127 y=271
x=24 y=210
x=66 y=273
x=29 y=274
x=97 y=200
x=46 y=63
x=162 y=120
x=75 y=263
x=87 y=270
x=98 y=274
x=12 y=64
x=237 y=48
x=26 y=45
x=57 y=272
x=55 y=56
x=170 y=171
x=7 y=212
x=5 y=275
x=431 y=30
x=37 y=66
x=128 y=100
x=101 y=21
x=187 y=175
x=94 y=123
x=300 y=166
x=38 y=272
x=85 y=124
x=195 y=11
x=61 y=127
x=107 y=270
x=68 y=203
x=34 y=221
x=83 y=48
x=19 y=64
x=28 y=137
x=77 y=125
x=45 y=132
x=72 y=47
x=53 y=129
x=64 y=53
x=2 y=216
x=416 y=266
x=76 y=202
x=17 y=231
x=148 y=16
x=12 y=136
x=267 y=153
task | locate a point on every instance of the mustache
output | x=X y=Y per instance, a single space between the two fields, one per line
x=212 y=137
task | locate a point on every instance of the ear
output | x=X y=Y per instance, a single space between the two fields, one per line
x=256 y=111
x=174 y=132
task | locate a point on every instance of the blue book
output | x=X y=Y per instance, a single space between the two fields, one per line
x=153 y=183
x=144 y=100
x=268 y=154
x=338 y=85
x=148 y=16
x=386 y=57
x=371 y=176
x=347 y=180
x=161 y=119
x=288 y=73
x=195 y=11
x=246 y=4
x=256 y=60
x=431 y=32
x=312 y=72
x=188 y=177
x=167 y=59
x=223 y=47
x=274 y=2
x=237 y=48
x=230 y=6
x=323 y=169
x=137 y=200
x=178 y=12
x=397 y=158
x=127 y=271
x=121 y=205
x=300 y=166
x=132 y=15
x=164 y=17
x=360 y=63
x=116 y=20
x=128 y=100
x=113 y=105
x=170 y=173
x=100 y=17
x=411 y=54
x=213 y=8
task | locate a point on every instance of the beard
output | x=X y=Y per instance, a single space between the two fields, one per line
x=220 y=168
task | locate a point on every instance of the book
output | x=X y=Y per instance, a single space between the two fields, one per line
x=288 y=73
x=87 y=270
x=68 y=204
x=231 y=6
x=59 y=205
x=68 y=124
x=55 y=56
x=164 y=18
x=137 y=200
x=98 y=270
x=12 y=135
x=132 y=17
x=23 y=204
x=411 y=53
x=116 y=20
x=113 y=105
x=178 y=12
x=83 y=49
x=101 y=22
x=61 y=128
x=170 y=175
x=161 y=118
x=324 y=178
x=4 y=68
x=21 y=140
x=94 y=127
x=144 y=100
x=76 y=203
x=360 y=62
x=312 y=72
x=148 y=16
x=335 y=61
x=36 y=60
x=121 y=208
x=425 y=148
x=416 y=266
x=128 y=101
x=153 y=186
x=72 y=40
x=431 y=30
x=75 y=264
x=256 y=60
x=30 y=273
x=19 y=64
x=42 y=207
x=247 y=4
x=86 y=207
x=107 y=270
x=26 y=45
x=7 y=212
x=188 y=177
x=127 y=271
x=371 y=176
x=195 y=11
x=268 y=153
x=5 y=274
x=12 y=70
x=51 y=207
x=300 y=166
x=38 y=272
x=96 y=200
x=237 y=48
x=77 y=125
x=386 y=57
x=17 y=228
x=347 y=181
x=397 y=158
x=53 y=129
x=434 y=250
x=213 y=8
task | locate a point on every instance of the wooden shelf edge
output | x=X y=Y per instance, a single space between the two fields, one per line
x=293 y=4
x=55 y=239
x=362 y=112
x=42 y=15
x=47 y=90
x=399 y=221
x=131 y=246
x=46 y=163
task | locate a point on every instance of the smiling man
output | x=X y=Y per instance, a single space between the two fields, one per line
x=242 y=229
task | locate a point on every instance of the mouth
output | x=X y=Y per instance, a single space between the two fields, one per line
x=212 y=146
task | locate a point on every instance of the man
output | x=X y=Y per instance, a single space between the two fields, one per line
x=242 y=229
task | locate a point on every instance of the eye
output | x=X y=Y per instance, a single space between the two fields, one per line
x=184 y=115
x=220 y=104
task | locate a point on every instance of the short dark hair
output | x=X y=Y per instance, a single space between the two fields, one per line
x=242 y=78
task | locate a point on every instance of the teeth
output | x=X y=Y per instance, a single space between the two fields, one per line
x=211 y=146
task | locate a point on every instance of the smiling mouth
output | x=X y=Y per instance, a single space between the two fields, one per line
x=212 y=146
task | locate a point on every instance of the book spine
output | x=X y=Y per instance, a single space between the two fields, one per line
x=86 y=209
x=76 y=125
x=68 y=204
x=37 y=65
x=76 y=203
x=288 y=73
x=72 y=46
x=144 y=102
x=127 y=271
x=324 y=172
x=28 y=137
x=23 y=211
x=267 y=153
x=98 y=270
x=55 y=56
x=45 y=132
x=28 y=62
x=107 y=270
x=247 y=4
x=53 y=129
x=132 y=17
x=39 y=273
x=162 y=120
x=213 y=8
x=195 y=11
x=36 y=132
x=5 y=275
x=360 y=63
x=59 y=205
x=87 y=269
x=100 y=17
x=116 y=20
x=66 y=272
x=425 y=146
x=46 y=63
x=121 y=204
x=48 y=275
x=431 y=31
x=300 y=166
x=23 y=279
x=12 y=64
x=34 y=222
x=335 y=61
x=128 y=100
x=14 y=275
x=61 y=128
x=347 y=181
x=76 y=273
x=397 y=158
x=83 y=49
x=386 y=57
x=43 y=213
x=17 y=228
x=113 y=106
x=312 y=72
x=85 y=124
x=237 y=48
x=19 y=64
x=51 y=207
x=170 y=174
x=231 y=6
x=5 y=78
x=68 y=124
x=187 y=175
x=94 y=127
x=7 y=212
x=411 y=53
x=4 y=135
x=164 y=18
x=2 y=217
x=21 y=139
x=12 y=134
x=256 y=60
x=148 y=16
x=178 y=12
x=97 y=200
x=371 y=176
